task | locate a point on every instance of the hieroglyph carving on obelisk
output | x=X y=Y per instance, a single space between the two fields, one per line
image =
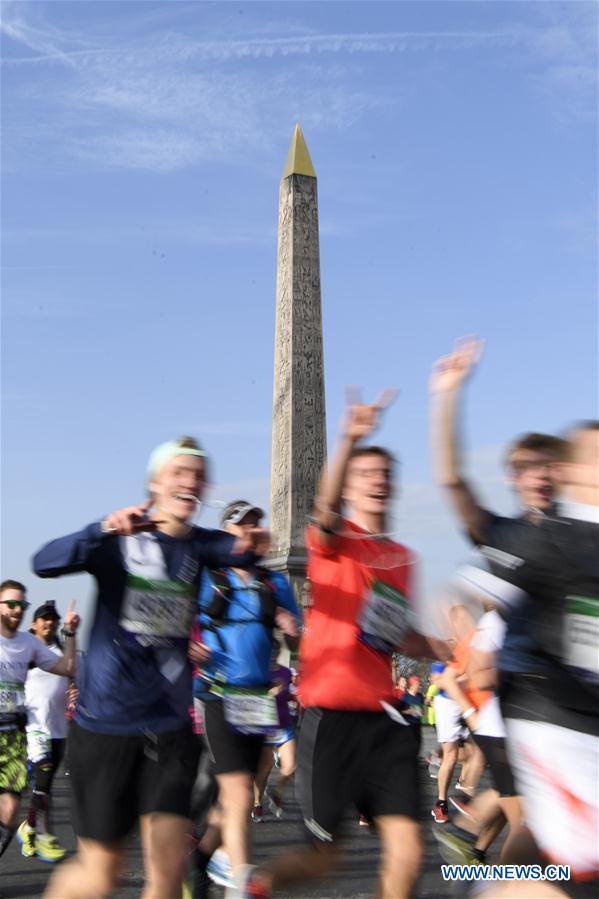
x=299 y=427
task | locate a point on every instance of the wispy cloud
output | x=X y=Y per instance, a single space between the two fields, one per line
x=268 y=47
x=565 y=50
x=162 y=100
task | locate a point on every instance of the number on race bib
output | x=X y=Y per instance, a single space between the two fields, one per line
x=12 y=698
x=385 y=618
x=153 y=609
x=582 y=635
x=250 y=710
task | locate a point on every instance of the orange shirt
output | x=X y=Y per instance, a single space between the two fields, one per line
x=338 y=671
x=461 y=658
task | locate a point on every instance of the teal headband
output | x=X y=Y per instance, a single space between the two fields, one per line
x=167 y=451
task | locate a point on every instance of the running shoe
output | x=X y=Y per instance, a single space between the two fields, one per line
x=275 y=803
x=454 y=849
x=257 y=814
x=26 y=837
x=462 y=805
x=219 y=869
x=48 y=849
x=434 y=763
x=363 y=821
x=439 y=813
x=468 y=791
x=255 y=885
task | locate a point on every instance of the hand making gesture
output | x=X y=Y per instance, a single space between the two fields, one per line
x=71 y=619
x=130 y=520
x=450 y=372
x=362 y=419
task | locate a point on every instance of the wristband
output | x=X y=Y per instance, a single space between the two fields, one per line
x=468 y=713
x=106 y=530
x=65 y=633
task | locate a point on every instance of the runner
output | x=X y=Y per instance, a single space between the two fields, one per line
x=429 y=710
x=534 y=471
x=281 y=743
x=479 y=707
x=17 y=652
x=132 y=753
x=553 y=722
x=451 y=731
x=354 y=746
x=411 y=705
x=544 y=566
x=46 y=698
x=239 y=610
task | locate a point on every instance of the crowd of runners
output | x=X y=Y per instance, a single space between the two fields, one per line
x=208 y=690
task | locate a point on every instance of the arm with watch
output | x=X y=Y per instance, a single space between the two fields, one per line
x=67 y=665
x=45 y=658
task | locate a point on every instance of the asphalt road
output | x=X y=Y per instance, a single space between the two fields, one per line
x=355 y=879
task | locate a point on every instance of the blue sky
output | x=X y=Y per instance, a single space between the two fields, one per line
x=455 y=147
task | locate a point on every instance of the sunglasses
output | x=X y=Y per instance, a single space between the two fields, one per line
x=16 y=603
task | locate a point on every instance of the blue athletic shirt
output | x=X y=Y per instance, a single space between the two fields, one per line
x=126 y=687
x=244 y=660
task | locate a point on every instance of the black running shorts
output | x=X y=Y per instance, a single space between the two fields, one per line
x=495 y=753
x=232 y=751
x=364 y=758
x=116 y=779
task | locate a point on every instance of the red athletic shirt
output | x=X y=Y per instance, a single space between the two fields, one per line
x=337 y=670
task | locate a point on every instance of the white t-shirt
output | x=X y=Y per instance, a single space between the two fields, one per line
x=46 y=699
x=490 y=632
x=16 y=654
x=489 y=637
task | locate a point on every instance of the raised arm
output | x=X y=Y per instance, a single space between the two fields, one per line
x=360 y=421
x=66 y=666
x=448 y=379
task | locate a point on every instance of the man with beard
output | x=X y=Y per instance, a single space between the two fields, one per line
x=17 y=652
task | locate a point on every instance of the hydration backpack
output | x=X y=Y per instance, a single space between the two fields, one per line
x=218 y=608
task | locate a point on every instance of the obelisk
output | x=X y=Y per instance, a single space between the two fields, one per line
x=298 y=425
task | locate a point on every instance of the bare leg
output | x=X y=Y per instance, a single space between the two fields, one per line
x=450 y=757
x=473 y=768
x=262 y=774
x=92 y=874
x=164 y=839
x=287 y=756
x=235 y=796
x=305 y=863
x=490 y=830
x=401 y=856
x=10 y=805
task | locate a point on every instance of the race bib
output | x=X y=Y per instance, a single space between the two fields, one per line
x=250 y=710
x=581 y=635
x=385 y=618
x=12 y=697
x=39 y=743
x=157 y=609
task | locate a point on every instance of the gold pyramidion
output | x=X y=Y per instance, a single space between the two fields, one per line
x=298 y=158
